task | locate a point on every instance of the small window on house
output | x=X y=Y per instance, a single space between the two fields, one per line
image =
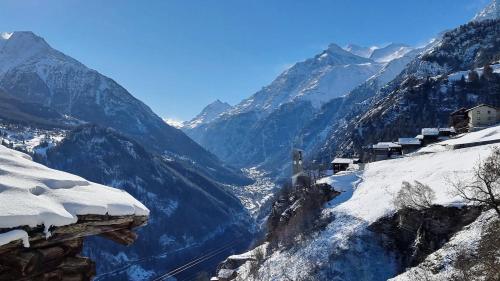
x=489 y=111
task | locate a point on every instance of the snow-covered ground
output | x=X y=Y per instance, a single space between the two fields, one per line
x=32 y=195
x=31 y=140
x=485 y=135
x=458 y=75
x=368 y=196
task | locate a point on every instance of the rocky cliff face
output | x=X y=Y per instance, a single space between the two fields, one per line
x=414 y=234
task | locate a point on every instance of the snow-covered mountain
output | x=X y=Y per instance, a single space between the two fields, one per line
x=390 y=52
x=260 y=130
x=208 y=114
x=332 y=73
x=33 y=71
x=396 y=110
x=361 y=51
x=47 y=96
x=491 y=12
x=380 y=54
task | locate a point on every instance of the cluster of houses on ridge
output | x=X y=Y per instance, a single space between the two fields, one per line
x=461 y=121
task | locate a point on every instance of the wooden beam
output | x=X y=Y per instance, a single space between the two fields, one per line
x=124 y=236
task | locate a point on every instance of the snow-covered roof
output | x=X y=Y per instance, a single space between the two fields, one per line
x=451 y=129
x=381 y=145
x=32 y=195
x=420 y=137
x=343 y=161
x=409 y=141
x=430 y=131
x=481 y=105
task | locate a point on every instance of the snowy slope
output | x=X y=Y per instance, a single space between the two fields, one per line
x=380 y=54
x=32 y=194
x=361 y=51
x=492 y=11
x=390 y=52
x=336 y=252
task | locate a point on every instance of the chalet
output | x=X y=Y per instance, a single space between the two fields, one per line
x=385 y=150
x=482 y=116
x=459 y=120
x=447 y=132
x=409 y=145
x=342 y=164
x=428 y=136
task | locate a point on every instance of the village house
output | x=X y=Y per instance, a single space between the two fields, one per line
x=342 y=164
x=409 y=145
x=428 y=136
x=459 y=120
x=482 y=116
x=447 y=132
x=385 y=150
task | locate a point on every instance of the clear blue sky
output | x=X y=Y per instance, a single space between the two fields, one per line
x=178 y=56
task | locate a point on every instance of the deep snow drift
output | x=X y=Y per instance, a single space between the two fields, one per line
x=32 y=194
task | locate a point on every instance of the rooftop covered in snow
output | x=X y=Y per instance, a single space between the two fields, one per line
x=409 y=141
x=385 y=145
x=34 y=195
x=344 y=160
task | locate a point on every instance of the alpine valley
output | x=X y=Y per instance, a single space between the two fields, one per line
x=217 y=191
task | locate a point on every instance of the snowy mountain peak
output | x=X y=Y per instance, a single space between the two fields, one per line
x=208 y=114
x=390 y=52
x=23 y=38
x=490 y=12
x=361 y=51
x=335 y=49
x=21 y=47
x=338 y=56
x=5 y=35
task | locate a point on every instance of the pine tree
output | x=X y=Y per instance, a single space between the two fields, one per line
x=473 y=78
x=488 y=72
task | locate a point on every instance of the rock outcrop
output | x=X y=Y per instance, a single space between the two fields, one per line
x=414 y=234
